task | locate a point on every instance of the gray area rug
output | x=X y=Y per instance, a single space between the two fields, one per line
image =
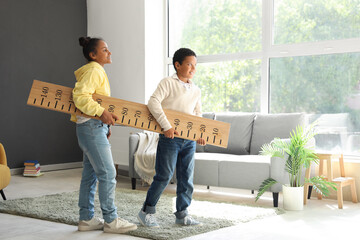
x=214 y=215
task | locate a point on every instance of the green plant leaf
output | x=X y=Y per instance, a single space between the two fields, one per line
x=321 y=185
x=266 y=184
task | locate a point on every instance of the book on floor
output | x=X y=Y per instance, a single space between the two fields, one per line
x=32 y=168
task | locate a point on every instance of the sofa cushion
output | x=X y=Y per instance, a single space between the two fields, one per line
x=206 y=171
x=240 y=133
x=270 y=126
x=209 y=115
x=244 y=171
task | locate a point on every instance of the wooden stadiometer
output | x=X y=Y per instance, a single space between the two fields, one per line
x=59 y=98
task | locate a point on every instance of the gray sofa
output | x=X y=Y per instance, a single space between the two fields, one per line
x=239 y=165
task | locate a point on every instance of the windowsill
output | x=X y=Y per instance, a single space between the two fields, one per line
x=351 y=159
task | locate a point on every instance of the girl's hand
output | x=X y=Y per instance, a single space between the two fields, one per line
x=109 y=133
x=108 y=118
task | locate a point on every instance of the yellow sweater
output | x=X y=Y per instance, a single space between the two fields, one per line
x=91 y=78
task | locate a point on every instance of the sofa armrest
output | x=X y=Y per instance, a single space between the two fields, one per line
x=133 y=145
x=277 y=172
x=3 y=159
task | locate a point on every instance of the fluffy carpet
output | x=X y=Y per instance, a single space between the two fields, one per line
x=215 y=215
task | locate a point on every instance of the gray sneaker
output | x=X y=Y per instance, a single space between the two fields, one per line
x=147 y=219
x=93 y=224
x=187 y=221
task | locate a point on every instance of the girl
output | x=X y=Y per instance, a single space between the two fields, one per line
x=93 y=140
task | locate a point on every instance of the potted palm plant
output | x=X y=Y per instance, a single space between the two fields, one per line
x=298 y=155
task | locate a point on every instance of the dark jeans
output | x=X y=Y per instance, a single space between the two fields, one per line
x=173 y=153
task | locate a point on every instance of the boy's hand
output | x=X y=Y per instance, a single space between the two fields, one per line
x=201 y=141
x=108 y=118
x=170 y=133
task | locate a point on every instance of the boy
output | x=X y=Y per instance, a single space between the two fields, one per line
x=176 y=93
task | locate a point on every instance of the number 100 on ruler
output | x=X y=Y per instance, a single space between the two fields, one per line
x=59 y=98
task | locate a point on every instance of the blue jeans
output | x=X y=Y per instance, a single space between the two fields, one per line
x=173 y=153
x=97 y=165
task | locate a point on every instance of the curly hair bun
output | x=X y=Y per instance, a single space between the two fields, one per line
x=84 y=41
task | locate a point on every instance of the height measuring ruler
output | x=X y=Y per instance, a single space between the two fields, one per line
x=59 y=98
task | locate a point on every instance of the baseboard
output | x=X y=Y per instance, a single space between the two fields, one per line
x=122 y=169
x=50 y=167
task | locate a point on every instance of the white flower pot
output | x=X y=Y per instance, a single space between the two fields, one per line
x=293 y=197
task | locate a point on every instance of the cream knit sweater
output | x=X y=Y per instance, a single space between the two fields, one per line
x=172 y=93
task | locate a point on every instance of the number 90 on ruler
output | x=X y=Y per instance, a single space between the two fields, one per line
x=59 y=98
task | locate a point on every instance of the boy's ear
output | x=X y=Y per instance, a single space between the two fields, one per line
x=177 y=65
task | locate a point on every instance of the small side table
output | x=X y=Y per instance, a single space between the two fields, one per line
x=340 y=181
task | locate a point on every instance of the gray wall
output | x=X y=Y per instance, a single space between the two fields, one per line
x=38 y=40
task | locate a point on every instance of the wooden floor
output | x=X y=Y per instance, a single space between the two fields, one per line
x=319 y=219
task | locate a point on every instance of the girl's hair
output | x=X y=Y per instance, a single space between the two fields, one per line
x=181 y=54
x=89 y=45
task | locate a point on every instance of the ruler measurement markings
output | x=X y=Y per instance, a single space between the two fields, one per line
x=44 y=90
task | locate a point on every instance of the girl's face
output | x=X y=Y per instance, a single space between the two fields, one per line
x=102 y=55
x=187 y=69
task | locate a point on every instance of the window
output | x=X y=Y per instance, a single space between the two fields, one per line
x=326 y=87
x=277 y=56
x=215 y=27
x=230 y=86
x=310 y=21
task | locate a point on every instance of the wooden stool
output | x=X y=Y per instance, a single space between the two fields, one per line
x=340 y=181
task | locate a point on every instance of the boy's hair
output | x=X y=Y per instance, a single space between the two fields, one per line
x=181 y=54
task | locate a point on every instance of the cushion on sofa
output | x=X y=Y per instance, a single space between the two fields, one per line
x=244 y=171
x=209 y=115
x=206 y=170
x=270 y=126
x=240 y=133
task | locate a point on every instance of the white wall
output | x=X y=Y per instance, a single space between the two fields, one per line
x=134 y=32
x=155 y=45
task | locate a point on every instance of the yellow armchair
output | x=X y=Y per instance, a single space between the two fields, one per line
x=5 y=175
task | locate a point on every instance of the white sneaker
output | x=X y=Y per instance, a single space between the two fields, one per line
x=93 y=224
x=119 y=226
